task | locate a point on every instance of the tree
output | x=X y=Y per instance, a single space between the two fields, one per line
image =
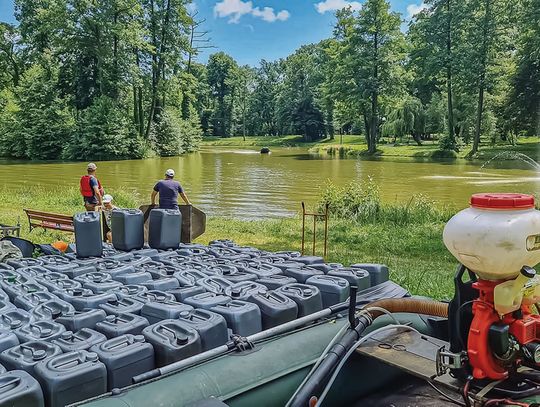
x=244 y=84
x=221 y=71
x=263 y=110
x=408 y=118
x=371 y=56
x=437 y=36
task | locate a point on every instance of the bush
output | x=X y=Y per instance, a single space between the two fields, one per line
x=171 y=135
x=104 y=133
x=361 y=202
x=37 y=123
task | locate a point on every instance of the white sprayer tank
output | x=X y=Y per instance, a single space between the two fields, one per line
x=496 y=236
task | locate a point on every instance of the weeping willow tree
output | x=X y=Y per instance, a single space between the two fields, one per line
x=409 y=118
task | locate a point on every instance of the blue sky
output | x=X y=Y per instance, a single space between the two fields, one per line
x=251 y=30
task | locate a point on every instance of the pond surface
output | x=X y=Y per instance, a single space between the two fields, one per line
x=245 y=184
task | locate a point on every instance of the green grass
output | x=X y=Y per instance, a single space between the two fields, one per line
x=353 y=145
x=413 y=251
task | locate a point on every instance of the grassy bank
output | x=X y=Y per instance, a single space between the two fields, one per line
x=356 y=146
x=407 y=239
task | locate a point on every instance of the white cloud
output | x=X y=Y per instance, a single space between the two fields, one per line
x=267 y=14
x=333 y=5
x=235 y=9
x=413 y=9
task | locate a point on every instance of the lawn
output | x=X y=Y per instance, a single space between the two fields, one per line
x=355 y=145
x=414 y=252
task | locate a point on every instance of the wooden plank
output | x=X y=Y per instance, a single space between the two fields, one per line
x=411 y=352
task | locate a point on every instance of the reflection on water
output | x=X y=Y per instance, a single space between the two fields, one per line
x=243 y=183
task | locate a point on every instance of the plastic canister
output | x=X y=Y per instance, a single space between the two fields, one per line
x=6 y=306
x=146 y=252
x=275 y=281
x=214 y=284
x=236 y=276
x=326 y=267
x=154 y=295
x=276 y=308
x=116 y=325
x=5 y=266
x=15 y=290
x=290 y=264
x=206 y=300
x=32 y=271
x=244 y=290
x=137 y=277
x=8 y=340
x=82 y=339
x=43 y=330
x=14 y=318
x=57 y=263
x=184 y=292
x=333 y=289
x=24 y=262
x=189 y=278
x=79 y=271
x=128 y=226
x=3 y=296
x=87 y=227
x=309 y=259
x=156 y=311
x=125 y=356
x=301 y=274
x=71 y=377
x=161 y=271
x=355 y=276
x=85 y=299
x=243 y=318
x=100 y=287
x=52 y=309
x=212 y=327
x=121 y=306
x=378 y=272
x=162 y=284
x=129 y=290
x=261 y=270
x=49 y=278
x=26 y=356
x=19 y=389
x=69 y=293
x=64 y=285
x=164 y=228
x=81 y=319
x=307 y=297
x=172 y=341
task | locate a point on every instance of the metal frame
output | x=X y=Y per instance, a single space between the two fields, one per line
x=6 y=230
x=315 y=217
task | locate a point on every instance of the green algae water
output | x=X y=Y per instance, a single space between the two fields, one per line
x=245 y=184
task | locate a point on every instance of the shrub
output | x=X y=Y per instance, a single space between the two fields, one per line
x=361 y=202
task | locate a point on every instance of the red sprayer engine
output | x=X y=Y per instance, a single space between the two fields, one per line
x=492 y=328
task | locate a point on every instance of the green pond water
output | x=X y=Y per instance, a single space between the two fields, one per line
x=245 y=184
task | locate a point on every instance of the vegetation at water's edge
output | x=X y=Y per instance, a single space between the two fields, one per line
x=354 y=145
x=119 y=79
x=406 y=237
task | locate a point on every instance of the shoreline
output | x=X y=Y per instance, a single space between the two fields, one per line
x=353 y=146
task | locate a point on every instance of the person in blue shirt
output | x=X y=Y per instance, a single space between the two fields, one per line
x=168 y=190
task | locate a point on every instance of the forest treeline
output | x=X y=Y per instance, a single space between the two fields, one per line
x=119 y=78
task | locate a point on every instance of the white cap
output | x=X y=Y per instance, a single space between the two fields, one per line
x=91 y=166
x=169 y=173
x=107 y=198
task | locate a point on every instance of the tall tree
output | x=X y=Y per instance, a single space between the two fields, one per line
x=371 y=54
x=222 y=70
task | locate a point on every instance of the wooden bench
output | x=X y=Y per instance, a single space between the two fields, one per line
x=47 y=220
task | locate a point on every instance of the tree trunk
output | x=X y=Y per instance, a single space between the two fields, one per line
x=375 y=98
x=538 y=118
x=482 y=77
x=451 y=135
x=160 y=61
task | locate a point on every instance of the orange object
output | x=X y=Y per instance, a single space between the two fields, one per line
x=60 y=245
